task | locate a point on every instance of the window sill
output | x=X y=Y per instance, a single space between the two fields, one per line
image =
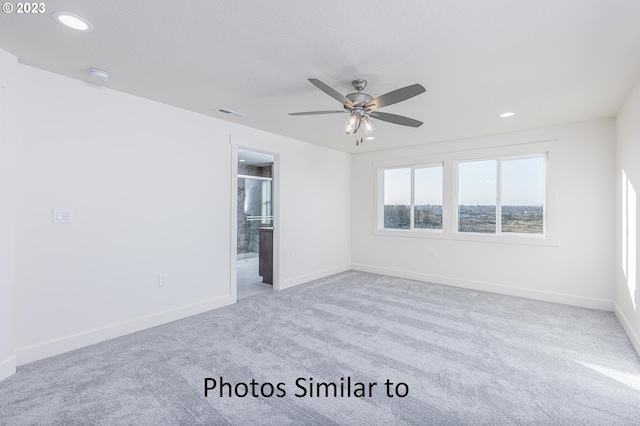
x=437 y=234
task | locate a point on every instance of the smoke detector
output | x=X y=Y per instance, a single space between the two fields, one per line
x=99 y=74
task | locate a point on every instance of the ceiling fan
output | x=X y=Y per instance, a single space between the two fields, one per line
x=362 y=106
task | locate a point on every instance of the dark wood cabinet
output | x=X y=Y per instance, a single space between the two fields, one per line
x=265 y=263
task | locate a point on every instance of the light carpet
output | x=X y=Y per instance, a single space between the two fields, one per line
x=466 y=357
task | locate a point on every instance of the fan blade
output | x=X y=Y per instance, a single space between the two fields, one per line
x=395 y=96
x=330 y=91
x=317 y=112
x=395 y=119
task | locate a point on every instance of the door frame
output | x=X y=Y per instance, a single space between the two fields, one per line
x=275 y=185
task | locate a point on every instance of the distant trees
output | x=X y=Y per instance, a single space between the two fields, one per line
x=471 y=218
x=426 y=216
x=398 y=216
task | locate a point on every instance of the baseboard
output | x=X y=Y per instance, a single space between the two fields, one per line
x=313 y=276
x=79 y=340
x=547 y=296
x=633 y=337
x=7 y=367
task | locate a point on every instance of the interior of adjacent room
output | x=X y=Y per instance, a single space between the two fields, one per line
x=255 y=223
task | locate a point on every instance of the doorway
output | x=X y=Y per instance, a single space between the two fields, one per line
x=255 y=220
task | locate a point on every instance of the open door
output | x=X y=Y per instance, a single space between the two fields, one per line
x=255 y=220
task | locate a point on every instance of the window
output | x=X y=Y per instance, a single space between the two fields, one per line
x=504 y=195
x=477 y=196
x=499 y=194
x=413 y=197
x=397 y=198
x=427 y=209
x=523 y=195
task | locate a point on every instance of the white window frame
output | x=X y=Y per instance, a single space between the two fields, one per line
x=449 y=161
x=412 y=168
x=499 y=161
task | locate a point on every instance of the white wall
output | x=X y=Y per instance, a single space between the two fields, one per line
x=319 y=237
x=578 y=270
x=315 y=198
x=150 y=190
x=628 y=186
x=9 y=152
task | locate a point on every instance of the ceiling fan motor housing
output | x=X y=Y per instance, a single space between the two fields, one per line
x=359 y=99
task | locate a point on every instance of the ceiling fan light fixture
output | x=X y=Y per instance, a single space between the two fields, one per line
x=368 y=125
x=352 y=124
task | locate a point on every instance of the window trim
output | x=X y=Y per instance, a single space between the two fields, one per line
x=449 y=160
x=412 y=228
x=499 y=160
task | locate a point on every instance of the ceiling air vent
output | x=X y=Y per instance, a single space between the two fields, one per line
x=229 y=112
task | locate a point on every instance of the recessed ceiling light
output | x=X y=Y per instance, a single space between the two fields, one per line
x=370 y=138
x=507 y=114
x=242 y=161
x=99 y=74
x=70 y=20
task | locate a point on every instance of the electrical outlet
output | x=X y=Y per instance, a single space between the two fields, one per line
x=434 y=254
x=162 y=280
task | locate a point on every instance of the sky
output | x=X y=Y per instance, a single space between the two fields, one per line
x=397 y=186
x=522 y=183
x=428 y=184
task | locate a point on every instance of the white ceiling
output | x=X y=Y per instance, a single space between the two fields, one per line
x=551 y=61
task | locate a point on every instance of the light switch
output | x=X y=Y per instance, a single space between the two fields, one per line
x=62 y=215
x=162 y=280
